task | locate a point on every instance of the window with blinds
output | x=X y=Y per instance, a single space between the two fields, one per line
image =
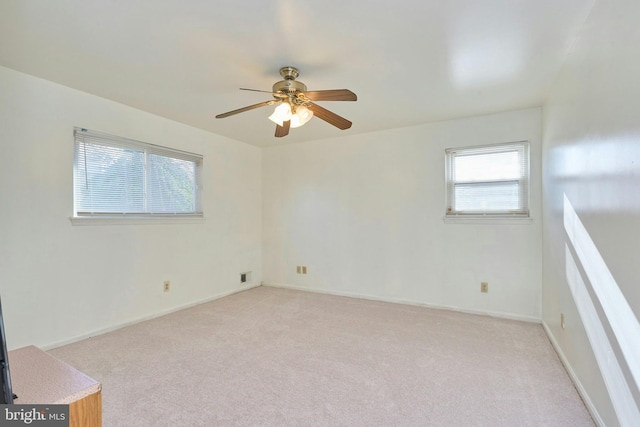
x=488 y=181
x=119 y=177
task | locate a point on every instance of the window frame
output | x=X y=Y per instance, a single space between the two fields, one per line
x=80 y=217
x=518 y=216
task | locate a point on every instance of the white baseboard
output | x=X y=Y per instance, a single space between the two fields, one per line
x=574 y=378
x=144 y=318
x=500 y=315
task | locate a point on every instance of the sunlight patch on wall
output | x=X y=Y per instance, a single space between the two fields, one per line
x=618 y=314
x=604 y=158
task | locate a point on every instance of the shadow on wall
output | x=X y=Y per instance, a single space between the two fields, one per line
x=617 y=315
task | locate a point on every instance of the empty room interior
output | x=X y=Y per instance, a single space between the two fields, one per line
x=324 y=213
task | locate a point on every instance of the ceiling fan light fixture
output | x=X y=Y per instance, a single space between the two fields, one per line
x=281 y=114
x=295 y=105
x=302 y=116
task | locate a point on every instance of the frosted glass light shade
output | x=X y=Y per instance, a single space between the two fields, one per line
x=302 y=116
x=281 y=114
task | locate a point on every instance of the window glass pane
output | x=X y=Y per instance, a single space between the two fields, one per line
x=487 y=167
x=172 y=185
x=111 y=179
x=497 y=196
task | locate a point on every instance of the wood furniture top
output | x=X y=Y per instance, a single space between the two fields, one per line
x=39 y=378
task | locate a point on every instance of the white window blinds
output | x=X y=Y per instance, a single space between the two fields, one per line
x=115 y=176
x=488 y=180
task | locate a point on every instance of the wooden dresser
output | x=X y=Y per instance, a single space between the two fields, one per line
x=39 y=378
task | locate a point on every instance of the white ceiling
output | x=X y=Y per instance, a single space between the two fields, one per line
x=410 y=62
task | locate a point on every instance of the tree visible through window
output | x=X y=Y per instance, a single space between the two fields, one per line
x=488 y=180
x=118 y=177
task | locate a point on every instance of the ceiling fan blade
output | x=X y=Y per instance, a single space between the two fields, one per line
x=256 y=90
x=329 y=117
x=283 y=130
x=242 y=110
x=275 y=94
x=331 y=95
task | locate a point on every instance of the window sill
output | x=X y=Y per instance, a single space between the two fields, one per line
x=123 y=220
x=482 y=219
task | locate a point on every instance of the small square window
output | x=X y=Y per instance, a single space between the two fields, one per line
x=488 y=181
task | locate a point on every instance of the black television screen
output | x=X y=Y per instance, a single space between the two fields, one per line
x=5 y=377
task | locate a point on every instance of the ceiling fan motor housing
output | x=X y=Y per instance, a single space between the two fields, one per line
x=289 y=84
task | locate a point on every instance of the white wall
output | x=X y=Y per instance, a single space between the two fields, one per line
x=591 y=156
x=59 y=281
x=365 y=214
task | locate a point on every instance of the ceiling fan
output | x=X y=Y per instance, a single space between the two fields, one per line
x=295 y=105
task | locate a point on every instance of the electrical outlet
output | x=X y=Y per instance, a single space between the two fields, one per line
x=167 y=285
x=562 y=320
x=304 y=269
x=298 y=269
x=484 y=287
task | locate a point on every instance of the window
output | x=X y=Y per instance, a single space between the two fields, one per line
x=488 y=181
x=119 y=177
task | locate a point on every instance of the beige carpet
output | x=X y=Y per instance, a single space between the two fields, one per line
x=276 y=357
